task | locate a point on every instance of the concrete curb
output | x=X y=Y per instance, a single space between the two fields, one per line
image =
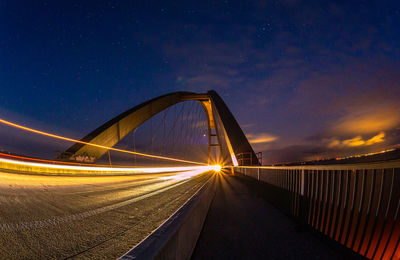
x=176 y=238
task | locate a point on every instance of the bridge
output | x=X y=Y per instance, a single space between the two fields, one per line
x=82 y=204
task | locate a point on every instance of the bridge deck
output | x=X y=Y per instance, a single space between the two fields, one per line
x=242 y=224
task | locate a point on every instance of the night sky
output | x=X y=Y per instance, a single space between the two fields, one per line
x=305 y=79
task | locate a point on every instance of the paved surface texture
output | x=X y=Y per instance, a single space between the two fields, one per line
x=58 y=217
x=243 y=225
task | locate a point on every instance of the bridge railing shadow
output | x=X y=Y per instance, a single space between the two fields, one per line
x=355 y=205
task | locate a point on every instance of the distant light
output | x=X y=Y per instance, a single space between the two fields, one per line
x=216 y=168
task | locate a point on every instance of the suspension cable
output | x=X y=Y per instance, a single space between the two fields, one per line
x=94 y=145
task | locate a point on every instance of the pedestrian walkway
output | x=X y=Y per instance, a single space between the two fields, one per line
x=243 y=225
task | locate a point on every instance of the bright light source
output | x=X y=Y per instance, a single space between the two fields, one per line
x=216 y=168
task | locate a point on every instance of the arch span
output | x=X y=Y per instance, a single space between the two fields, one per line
x=113 y=131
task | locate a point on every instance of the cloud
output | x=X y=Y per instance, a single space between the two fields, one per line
x=261 y=138
x=342 y=94
x=244 y=126
x=317 y=150
x=357 y=141
x=376 y=139
x=294 y=153
x=261 y=141
x=368 y=121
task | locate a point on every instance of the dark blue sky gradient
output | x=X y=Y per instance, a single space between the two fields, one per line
x=306 y=79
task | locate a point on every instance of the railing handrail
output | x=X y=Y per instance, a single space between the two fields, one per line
x=355 y=166
x=355 y=205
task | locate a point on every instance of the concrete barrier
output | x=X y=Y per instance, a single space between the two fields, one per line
x=176 y=238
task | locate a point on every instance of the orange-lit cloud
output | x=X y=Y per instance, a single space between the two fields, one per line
x=369 y=121
x=357 y=141
x=376 y=139
x=261 y=138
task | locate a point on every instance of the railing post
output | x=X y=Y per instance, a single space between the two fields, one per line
x=302 y=183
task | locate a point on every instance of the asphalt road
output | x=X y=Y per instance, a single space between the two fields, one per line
x=243 y=225
x=86 y=217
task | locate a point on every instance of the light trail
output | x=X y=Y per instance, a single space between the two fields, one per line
x=186 y=174
x=39 y=167
x=48 y=161
x=95 y=145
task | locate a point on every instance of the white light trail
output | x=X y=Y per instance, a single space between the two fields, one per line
x=74 y=168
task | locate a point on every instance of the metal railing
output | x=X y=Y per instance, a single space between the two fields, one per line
x=355 y=205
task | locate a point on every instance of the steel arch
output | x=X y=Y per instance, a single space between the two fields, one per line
x=113 y=131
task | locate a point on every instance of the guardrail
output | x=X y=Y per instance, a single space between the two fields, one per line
x=355 y=205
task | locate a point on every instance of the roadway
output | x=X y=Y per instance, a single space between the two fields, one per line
x=86 y=217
